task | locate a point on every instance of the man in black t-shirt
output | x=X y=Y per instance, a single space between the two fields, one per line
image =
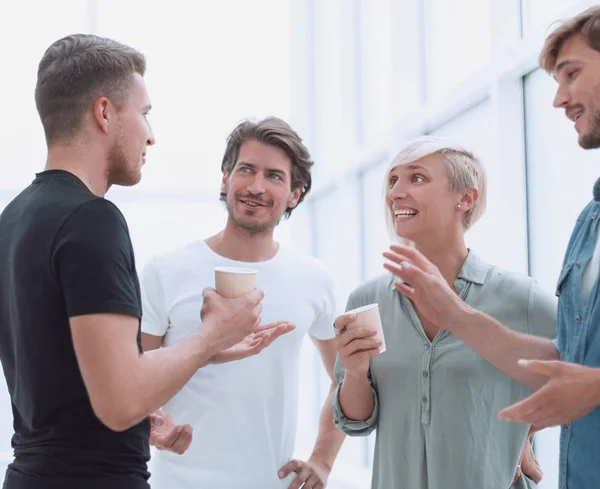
x=80 y=386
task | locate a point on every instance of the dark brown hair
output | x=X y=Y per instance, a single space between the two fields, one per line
x=73 y=72
x=274 y=132
x=586 y=24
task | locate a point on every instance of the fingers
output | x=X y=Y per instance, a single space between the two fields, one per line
x=267 y=327
x=405 y=289
x=288 y=468
x=208 y=292
x=156 y=419
x=255 y=296
x=413 y=255
x=303 y=473
x=361 y=345
x=183 y=440
x=344 y=320
x=406 y=271
x=518 y=474
x=353 y=334
x=526 y=410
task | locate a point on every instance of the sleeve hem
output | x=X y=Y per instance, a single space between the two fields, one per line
x=109 y=308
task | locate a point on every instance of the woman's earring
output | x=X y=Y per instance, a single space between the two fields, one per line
x=459 y=206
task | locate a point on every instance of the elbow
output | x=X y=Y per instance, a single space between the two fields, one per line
x=118 y=416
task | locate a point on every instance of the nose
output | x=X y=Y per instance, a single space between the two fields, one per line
x=151 y=139
x=561 y=99
x=257 y=185
x=397 y=192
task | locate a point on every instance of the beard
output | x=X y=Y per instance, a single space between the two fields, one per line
x=120 y=171
x=249 y=225
x=591 y=139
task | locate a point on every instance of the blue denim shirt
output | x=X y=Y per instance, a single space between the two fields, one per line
x=578 y=341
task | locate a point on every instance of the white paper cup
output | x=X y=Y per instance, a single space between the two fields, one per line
x=369 y=316
x=233 y=282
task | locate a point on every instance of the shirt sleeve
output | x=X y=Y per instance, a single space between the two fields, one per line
x=541 y=312
x=322 y=328
x=155 y=320
x=349 y=426
x=93 y=262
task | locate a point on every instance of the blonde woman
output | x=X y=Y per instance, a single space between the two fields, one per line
x=432 y=400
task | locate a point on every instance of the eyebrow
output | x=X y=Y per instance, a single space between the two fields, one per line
x=560 y=66
x=416 y=167
x=253 y=166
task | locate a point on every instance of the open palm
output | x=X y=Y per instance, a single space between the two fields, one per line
x=254 y=343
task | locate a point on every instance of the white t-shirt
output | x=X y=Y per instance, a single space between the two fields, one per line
x=591 y=271
x=244 y=413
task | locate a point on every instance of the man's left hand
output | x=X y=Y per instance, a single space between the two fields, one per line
x=571 y=392
x=528 y=464
x=312 y=474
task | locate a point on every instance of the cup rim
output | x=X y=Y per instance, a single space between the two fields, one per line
x=368 y=307
x=237 y=270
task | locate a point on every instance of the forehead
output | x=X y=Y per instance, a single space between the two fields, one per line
x=138 y=94
x=576 y=48
x=264 y=155
x=432 y=163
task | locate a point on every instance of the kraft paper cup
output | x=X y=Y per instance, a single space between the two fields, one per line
x=233 y=282
x=369 y=316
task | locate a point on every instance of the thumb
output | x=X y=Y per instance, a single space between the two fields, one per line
x=542 y=367
x=157 y=420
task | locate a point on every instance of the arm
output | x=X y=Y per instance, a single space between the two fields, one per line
x=500 y=345
x=355 y=407
x=92 y=261
x=316 y=470
x=330 y=439
x=124 y=386
x=435 y=299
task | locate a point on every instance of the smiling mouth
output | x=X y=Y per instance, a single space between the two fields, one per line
x=405 y=213
x=252 y=204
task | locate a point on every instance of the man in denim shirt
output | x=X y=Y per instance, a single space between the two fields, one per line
x=564 y=372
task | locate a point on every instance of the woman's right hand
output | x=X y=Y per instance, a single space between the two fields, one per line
x=356 y=345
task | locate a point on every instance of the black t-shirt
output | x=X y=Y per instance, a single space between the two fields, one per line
x=64 y=252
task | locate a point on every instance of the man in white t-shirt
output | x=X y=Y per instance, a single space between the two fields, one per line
x=244 y=413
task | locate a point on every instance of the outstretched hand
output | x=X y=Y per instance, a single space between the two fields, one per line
x=254 y=343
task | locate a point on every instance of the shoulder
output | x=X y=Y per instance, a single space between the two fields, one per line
x=300 y=263
x=96 y=214
x=372 y=291
x=182 y=256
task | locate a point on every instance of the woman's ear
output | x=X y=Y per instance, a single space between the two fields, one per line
x=468 y=198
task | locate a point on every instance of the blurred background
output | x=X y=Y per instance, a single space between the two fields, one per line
x=357 y=79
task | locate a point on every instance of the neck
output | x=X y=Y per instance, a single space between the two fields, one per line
x=238 y=244
x=448 y=254
x=82 y=161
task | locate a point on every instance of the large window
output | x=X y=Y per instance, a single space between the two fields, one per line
x=505 y=217
x=458 y=42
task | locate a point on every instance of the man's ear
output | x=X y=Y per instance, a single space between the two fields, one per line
x=102 y=111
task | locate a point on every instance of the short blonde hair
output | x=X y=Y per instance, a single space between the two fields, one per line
x=587 y=24
x=464 y=170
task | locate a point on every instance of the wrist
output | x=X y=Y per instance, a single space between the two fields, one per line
x=206 y=345
x=321 y=461
x=460 y=316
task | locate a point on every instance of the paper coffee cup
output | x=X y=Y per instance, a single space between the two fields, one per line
x=233 y=282
x=369 y=316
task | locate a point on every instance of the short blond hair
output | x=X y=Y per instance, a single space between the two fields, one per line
x=464 y=170
x=586 y=24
